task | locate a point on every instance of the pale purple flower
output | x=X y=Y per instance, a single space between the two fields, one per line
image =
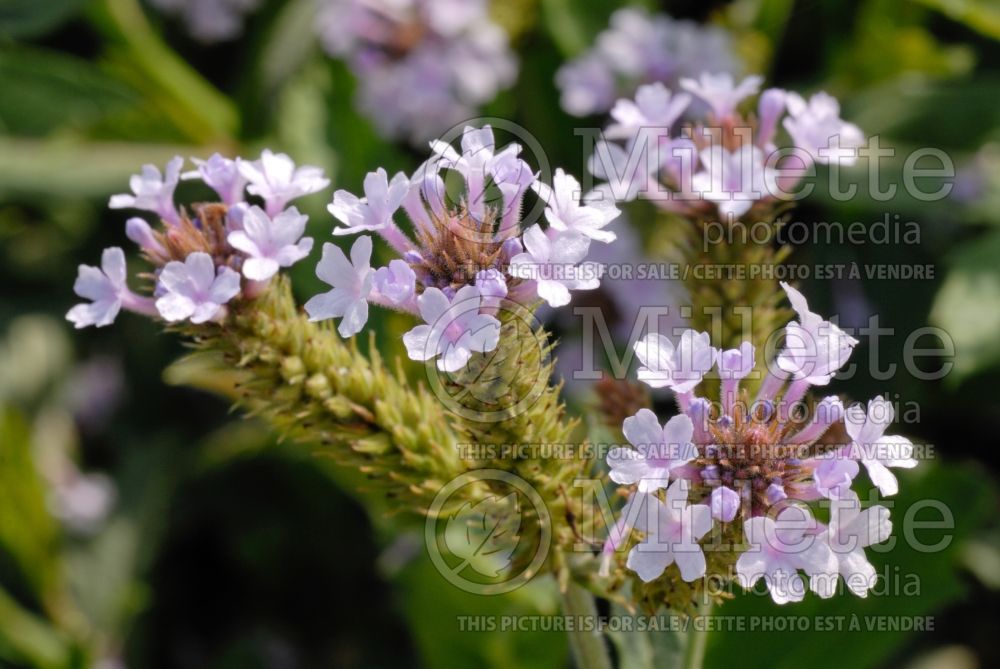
x=222 y=175
x=587 y=85
x=270 y=244
x=492 y=286
x=454 y=329
x=474 y=163
x=815 y=349
x=673 y=530
x=657 y=450
x=107 y=291
x=813 y=126
x=833 y=473
x=876 y=450
x=352 y=283
x=721 y=92
x=725 y=502
x=849 y=533
x=374 y=211
x=779 y=548
x=654 y=107
x=736 y=363
x=396 y=283
x=555 y=265
x=194 y=289
x=565 y=212
x=770 y=107
x=827 y=411
x=140 y=232
x=628 y=174
x=153 y=191
x=679 y=367
x=276 y=179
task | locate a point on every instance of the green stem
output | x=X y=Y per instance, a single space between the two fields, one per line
x=588 y=647
x=694 y=649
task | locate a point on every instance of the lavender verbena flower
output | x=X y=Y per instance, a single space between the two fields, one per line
x=195 y=289
x=759 y=464
x=276 y=178
x=554 y=264
x=421 y=65
x=210 y=20
x=352 y=282
x=153 y=191
x=222 y=175
x=673 y=529
x=718 y=162
x=564 y=211
x=658 y=450
x=454 y=329
x=198 y=252
x=108 y=292
x=639 y=48
x=779 y=548
x=270 y=244
x=472 y=239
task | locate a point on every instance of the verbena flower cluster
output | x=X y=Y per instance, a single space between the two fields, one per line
x=210 y=20
x=421 y=66
x=759 y=461
x=464 y=258
x=721 y=162
x=639 y=48
x=204 y=257
x=468 y=252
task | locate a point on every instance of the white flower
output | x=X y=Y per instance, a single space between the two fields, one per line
x=654 y=107
x=679 y=367
x=673 y=530
x=658 y=449
x=850 y=532
x=815 y=349
x=454 y=329
x=270 y=244
x=194 y=289
x=104 y=287
x=222 y=175
x=373 y=211
x=276 y=179
x=720 y=91
x=814 y=124
x=152 y=191
x=564 y=211
x=555 y=264
x=352 y=283
x=779 y=548
x=876 y=450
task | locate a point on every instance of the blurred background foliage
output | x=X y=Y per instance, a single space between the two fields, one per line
x=141 y=525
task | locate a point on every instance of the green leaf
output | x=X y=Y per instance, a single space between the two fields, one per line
x=53 y=90
x=32 y=18
x=968 y=306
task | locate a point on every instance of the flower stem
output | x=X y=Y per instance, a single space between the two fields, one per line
x=694 y=650
x=588 y=647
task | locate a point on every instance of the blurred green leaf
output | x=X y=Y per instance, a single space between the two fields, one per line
x=968 y=306
x=53 y=90
x=31 y=18
x=981 y=15
x=27 y=639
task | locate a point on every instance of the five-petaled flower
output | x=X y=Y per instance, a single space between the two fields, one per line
x=152 y=191
x=195 y=289
x=454 y=329
x=276 y=178
x=658 y=450
x=673 y=529
x=270 y=244
x=352 y=283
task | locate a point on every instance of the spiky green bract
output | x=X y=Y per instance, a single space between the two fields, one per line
x=505 y=397
x=315 y=388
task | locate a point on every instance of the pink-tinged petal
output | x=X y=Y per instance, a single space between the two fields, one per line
x=226 y=286
x=418 y=344
x=334 y=268
x=690 y=561
x=725 y=502
x=883 y=479
x=553 y=292
x=432 y=304
x=175 y=307
x=361 y=253
x=113 y=265
x=331 y=304
x=200 y=270
x=537 y=244
x=643 y=429
x=354 y=319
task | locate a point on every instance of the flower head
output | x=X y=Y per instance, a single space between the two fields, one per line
x=453 y=330
x=352 y=283
x=270 y=244
x=195 y=289
x=276 y=178
x=153 y=191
